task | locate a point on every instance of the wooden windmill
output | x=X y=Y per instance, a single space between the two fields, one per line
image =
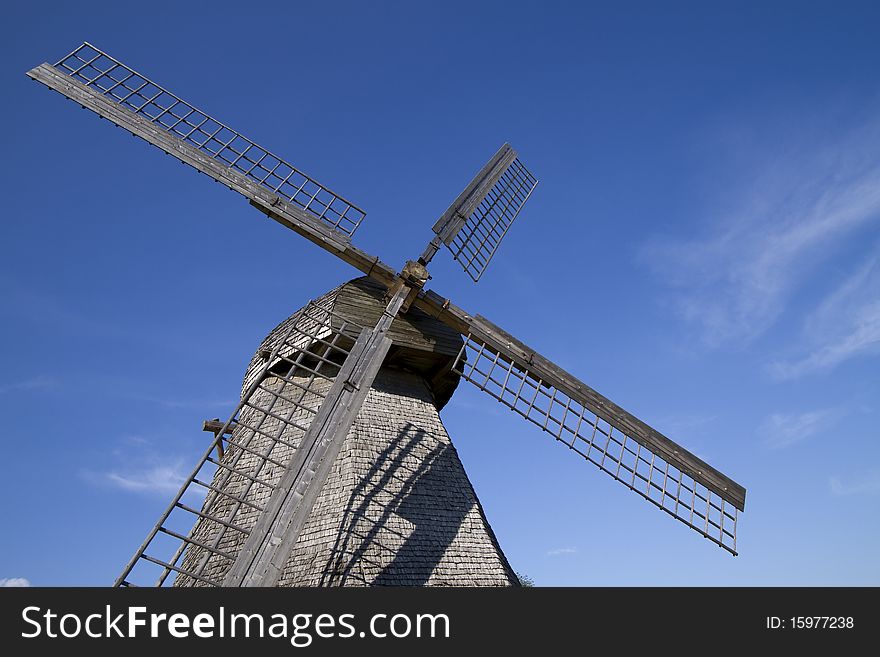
x=334 y=468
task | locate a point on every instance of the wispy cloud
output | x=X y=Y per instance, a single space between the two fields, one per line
x=143 y=469
x=782 y=430
x=868 y=484
x=14 y=582
x=160 y=479
x=560 y=551
x=845 y=325
x=41 y=382
x=796 y=211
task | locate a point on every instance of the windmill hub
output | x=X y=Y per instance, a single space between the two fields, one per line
x=415 y=274
x=413 y=277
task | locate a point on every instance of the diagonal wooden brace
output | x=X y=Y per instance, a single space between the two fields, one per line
x=267 y=549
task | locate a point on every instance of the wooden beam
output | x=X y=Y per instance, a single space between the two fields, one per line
x=216 y=425
x=268 y=546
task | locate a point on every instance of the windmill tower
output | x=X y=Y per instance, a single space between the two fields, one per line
x=397 y=506
x=334 y=468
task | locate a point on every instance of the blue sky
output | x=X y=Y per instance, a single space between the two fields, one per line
x=704 y=249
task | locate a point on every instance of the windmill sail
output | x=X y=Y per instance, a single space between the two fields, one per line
x=116 y=92
x=476 y=222
x=621 y=445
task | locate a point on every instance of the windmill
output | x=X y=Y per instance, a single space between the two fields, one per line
x=334 y=468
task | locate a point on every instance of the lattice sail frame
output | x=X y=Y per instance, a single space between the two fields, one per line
x=473 y=227
x=137 y=93
x=608 y=447
x=254 y=448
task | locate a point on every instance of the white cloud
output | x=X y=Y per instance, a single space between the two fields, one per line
x=163 y=479
x=141 y=468
x=798 y=209
x=560 y=551
x=41 y=382
x=782 y=430
x=866 y=485
x=845 y=325
x=14 y=582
